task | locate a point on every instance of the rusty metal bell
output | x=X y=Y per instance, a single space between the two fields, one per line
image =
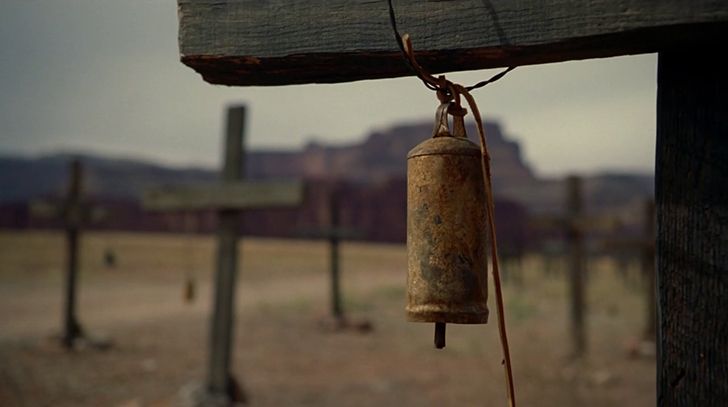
x=446 y=229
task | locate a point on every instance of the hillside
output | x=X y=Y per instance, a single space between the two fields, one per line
x=370 y=174
x=380 y=157
x=23 y=178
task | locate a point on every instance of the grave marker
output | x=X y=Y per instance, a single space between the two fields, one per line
x=75 y=213
x=334 y=233
x=229 y=198
x=574 y=224
x=646 y=246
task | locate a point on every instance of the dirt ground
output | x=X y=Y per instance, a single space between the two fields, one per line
x=282 y=355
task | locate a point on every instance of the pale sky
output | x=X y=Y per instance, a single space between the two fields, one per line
x=104 y=76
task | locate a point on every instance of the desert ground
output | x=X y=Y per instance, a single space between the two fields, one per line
x=283 y=354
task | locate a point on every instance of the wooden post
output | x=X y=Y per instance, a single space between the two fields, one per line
x=574 y=236
x=219 y=379
x=336 y=309
x=692 y=228
x=72 y=216
x=648 y=272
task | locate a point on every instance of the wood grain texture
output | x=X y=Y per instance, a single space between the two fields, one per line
x=648 y=256
x=692 y=221
x=276 y=42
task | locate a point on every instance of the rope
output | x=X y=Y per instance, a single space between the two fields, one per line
x=485 y=164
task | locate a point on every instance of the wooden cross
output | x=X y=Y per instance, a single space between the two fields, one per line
x=646 y=246
x=334 y=233
x=75 y=213
x=574 y=223
x=229 y=198
x=341 y=41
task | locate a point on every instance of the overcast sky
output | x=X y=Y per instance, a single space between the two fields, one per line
x=104 y=76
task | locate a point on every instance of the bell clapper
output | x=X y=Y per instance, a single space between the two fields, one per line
x=440 y=334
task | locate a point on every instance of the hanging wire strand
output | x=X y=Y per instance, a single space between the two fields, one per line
x=490 y=207
x=491 y=80
x=401 y=43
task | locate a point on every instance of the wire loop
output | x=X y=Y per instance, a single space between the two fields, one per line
x=405 y=45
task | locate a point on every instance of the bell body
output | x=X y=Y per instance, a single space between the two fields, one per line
x=446 y=233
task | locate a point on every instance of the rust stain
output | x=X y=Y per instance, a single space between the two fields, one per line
x=446 y=233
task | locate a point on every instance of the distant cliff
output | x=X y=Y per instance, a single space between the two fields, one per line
x=23 y=178
x=371 y=174
x=379 y=158
x=382 y=156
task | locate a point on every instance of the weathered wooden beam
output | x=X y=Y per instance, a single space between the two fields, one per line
x=45 y=209
x=230 y=195
x=585 y=223
x=278 y=42
x=692 y=229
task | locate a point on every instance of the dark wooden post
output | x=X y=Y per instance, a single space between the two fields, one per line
x=692 y=228
x=220 y=380
x=336 y=308
x=574 y=236
x=72 y=216
x=648 y=272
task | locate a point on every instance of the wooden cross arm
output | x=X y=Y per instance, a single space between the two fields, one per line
x=232 y=195
x=582 y=223
x=628 y=244
x=279 y=42
x=45 y=210
x=329 y=233
x=76 y=214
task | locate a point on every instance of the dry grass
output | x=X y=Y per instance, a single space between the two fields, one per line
x=281 y=354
